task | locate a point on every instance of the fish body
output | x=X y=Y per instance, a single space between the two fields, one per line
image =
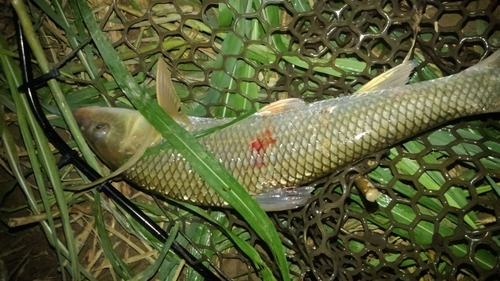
x=295 y=145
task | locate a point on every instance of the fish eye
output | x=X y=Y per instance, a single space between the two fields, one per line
x=100 y=130
x=100 y=126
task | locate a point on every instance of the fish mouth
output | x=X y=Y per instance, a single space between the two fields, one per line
x=79 y=115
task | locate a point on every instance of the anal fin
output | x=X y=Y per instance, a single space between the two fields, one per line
x=284 y=199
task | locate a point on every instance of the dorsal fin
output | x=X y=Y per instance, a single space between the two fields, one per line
x=394 y=77
x=166 y=95
x=282 y=105
x=492 y=61
x=397 y=76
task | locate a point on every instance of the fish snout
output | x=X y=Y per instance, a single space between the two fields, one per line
x=82 y=117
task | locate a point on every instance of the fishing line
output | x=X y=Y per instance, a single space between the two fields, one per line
x=71 y=156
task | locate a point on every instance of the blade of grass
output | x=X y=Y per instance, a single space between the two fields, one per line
x=252 y=31
x=28 y=124
x=271 y=17
x=249 y=90
x=12 y=157
x=301 y=5
x=116 y=262
x=149 y=272
x=245 y=247
x=166 y=146
x=47 y=226
x=48 y=163
x=125 y=55
x=172 y=263
x=202 y=162
x=57 y=18
x=129 y=224
x=201 y=235
x=265 y=55
x=39 y=54
x=494 y=185
x=220 y=80
x=7 y=102
x=345 y=64
x=384 y=176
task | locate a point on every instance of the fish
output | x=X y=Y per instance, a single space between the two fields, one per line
x=276 y=152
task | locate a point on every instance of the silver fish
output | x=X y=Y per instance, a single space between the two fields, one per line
x=291 y=143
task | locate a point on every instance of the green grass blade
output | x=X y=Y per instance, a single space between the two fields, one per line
x=245 y=247
x=13 y=75
x=235 y=71
x=494 y=185
x=201 y=235
x=118 y=265
x=220 y=80
x=345 y=64
x=301 y=5
x=39 y=54
x=149 y=273
x=202 y=162
x=57 y=18
x=271 y=16
x=47 y=226
x=47 y=162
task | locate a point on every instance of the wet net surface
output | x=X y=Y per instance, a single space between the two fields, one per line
x=390 y=245
x=437 y=215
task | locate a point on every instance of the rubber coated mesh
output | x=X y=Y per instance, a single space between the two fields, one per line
x=417 y=230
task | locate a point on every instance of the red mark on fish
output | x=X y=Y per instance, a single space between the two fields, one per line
x=258 y=144
x=263 y=141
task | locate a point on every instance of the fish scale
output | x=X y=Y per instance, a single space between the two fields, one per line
x=293 y=147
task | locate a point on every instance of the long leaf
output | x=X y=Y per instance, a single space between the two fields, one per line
x=45 y=154
x=39 y=54
x=25 y=117
x=149 y=273
x=116 y=262
x=245 y=247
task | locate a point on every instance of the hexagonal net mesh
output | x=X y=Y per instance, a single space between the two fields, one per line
x=437 y=216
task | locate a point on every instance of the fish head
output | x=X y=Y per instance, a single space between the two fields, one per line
x=114 y=134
